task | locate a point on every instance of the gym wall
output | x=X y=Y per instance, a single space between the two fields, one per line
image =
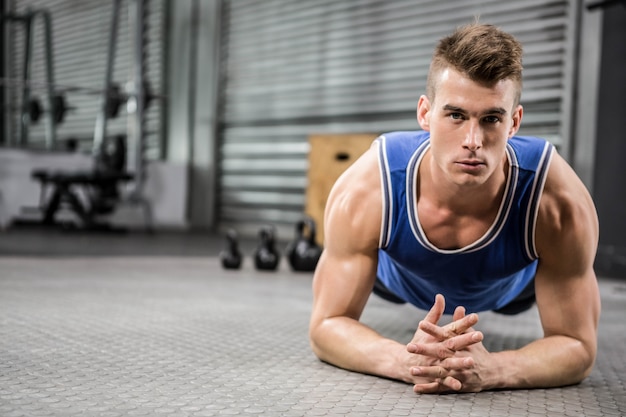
x=609 y=189
x=292 y=68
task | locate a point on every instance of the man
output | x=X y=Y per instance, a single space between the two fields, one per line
x=470 y=217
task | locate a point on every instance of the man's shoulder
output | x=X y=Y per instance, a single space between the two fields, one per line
x=530 y=152
x=566 y=212
x=527 y=142
x=399 y=146
x=406 y=135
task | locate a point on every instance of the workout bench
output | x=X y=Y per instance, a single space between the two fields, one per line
x=99 y=186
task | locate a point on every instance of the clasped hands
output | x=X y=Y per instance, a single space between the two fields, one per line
x=449 y=357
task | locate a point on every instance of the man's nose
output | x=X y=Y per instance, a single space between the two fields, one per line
x=473 y=137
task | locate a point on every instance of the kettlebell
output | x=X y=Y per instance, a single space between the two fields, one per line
x=303 y=252
x=231 y=256
x=266 y=257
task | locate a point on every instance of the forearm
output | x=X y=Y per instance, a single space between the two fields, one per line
x=549 y=362
x=349 y=344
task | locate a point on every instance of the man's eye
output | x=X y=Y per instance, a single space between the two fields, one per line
x=456 y=116
x=492 y=119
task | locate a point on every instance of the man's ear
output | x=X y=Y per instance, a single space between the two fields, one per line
x=517 y=120
x=423 y=113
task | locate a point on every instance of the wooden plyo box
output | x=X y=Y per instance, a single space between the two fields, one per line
x=329 y=157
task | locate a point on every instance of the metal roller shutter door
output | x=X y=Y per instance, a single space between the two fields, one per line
x=293 y=68
x=80 y=32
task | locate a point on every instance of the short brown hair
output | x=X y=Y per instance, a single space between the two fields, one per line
x=482 y=52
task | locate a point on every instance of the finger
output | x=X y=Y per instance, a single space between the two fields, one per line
x=448 y=384
x=458 y=364
x=464 y=341
x=464 y=323
x=454 y=342
x=459 y=313
x=436 y=311
x=450 y=330
x=427 y=388
x=433 y=350
x=439 y=376
x=451 y=383
x=447 y=348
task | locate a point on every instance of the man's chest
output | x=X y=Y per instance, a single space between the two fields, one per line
x=447 y=230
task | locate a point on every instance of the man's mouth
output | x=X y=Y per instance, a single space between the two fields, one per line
x=470 y=164
x=473 y=162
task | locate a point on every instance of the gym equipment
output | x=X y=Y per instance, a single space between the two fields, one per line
x=35 y=110
x=303 y=252
x=329 y=156
x=27 y=20
x=99 y=187
x=266 y=257
x=231 y=256
x=137 y=93
x=113 y=95
x=137 y=98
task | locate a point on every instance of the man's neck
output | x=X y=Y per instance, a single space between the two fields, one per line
x=473 y=199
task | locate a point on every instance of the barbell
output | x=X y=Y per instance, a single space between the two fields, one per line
x=35 y=109
x=114 y=96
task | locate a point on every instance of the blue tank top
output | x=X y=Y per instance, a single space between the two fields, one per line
x=485 y=275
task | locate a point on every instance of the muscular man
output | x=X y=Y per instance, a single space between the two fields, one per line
x=459 y=218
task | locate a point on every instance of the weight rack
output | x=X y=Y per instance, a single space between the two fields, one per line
x=27 y=20
x=137 y=94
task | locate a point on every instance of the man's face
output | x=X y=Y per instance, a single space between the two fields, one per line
x=469 y=125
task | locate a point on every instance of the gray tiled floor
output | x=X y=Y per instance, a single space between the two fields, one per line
x=158 y=328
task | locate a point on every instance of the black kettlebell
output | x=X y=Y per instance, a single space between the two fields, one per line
x=266 y=257
x=231 y=256
x=303 y=253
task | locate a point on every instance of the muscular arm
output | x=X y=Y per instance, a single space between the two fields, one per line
x=566 y=289
x=343 y=282
x=566 y=286
x=345 y=276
